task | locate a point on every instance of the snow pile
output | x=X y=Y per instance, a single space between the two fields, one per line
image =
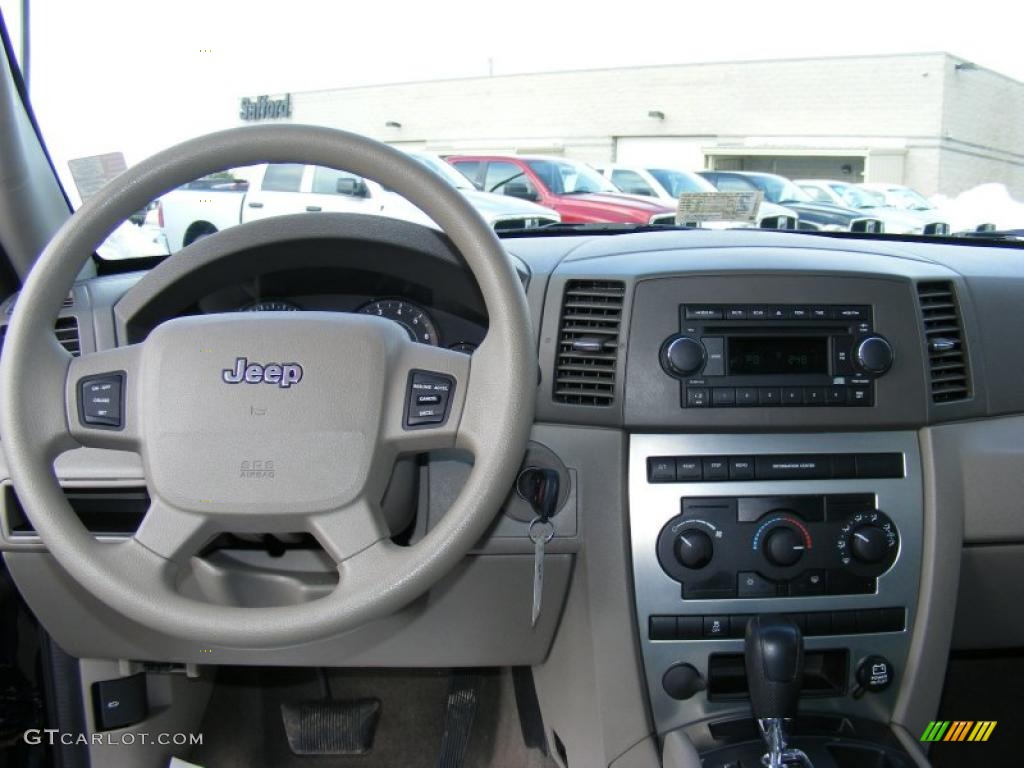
x=984 y=204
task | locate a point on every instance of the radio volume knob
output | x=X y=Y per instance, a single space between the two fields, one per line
x=694 y=548
x=684 y=355
x=874 y=355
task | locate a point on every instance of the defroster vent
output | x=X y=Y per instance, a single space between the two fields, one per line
x=588 y=342
x=945 y=341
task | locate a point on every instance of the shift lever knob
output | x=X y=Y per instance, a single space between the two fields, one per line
x=774 y=651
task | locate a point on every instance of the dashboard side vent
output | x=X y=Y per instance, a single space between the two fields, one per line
x=945 y=342
x=66 y=331
x=588 y=342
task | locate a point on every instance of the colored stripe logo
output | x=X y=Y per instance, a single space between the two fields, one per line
x=958 y=730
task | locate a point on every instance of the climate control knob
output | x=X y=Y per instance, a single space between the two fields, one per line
x=694 y=548
x=783 y=546
x=869 y=544
x=874 y=355
x=684 y=356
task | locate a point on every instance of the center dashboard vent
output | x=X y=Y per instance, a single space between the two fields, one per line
x=945 y=342
x=588 y=342
x=66 y=330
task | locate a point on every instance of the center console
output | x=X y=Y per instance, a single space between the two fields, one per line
x=830 y=537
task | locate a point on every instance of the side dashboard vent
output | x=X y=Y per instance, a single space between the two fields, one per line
x=945 y=341
x=66 y=331
x=588 y=342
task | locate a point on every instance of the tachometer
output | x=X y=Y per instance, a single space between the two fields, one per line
x=272 y=305
x=415 y=320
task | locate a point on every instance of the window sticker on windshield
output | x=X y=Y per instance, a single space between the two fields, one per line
x=92 y=173
x=697 y=207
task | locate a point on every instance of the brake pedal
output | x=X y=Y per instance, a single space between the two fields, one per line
x=331 y=727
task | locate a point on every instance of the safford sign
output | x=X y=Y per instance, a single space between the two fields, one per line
x=266 y=108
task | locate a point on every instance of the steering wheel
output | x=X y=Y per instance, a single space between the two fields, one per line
x=337 y=398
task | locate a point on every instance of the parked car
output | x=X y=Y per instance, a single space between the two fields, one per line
x=912 y=202
x=824 y=217
x=579 y=193
x=195 y=211
x=666 y=184
x=897 y=221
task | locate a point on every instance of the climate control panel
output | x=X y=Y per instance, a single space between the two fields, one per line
x=777 y=546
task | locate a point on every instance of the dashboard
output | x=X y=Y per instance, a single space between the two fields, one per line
x=745 y=422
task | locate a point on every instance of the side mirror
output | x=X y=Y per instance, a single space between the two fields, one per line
x=520 y=190
x=351 y=187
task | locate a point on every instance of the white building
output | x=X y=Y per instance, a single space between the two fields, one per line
x=933 y=121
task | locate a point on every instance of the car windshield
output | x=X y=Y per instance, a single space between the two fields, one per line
x=854 y=197
x=779 y=190
x=916 y=111
x=444 y=170
x=679 y=182
x=563 y=177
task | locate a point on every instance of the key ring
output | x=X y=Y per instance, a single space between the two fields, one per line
x=548 y=534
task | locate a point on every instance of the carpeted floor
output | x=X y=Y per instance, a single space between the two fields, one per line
x=983 y=686
x=243 y=727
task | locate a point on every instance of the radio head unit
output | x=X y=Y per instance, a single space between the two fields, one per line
x=767 y=355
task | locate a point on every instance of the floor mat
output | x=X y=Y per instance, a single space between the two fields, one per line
x=243 y=728
x=983 y=686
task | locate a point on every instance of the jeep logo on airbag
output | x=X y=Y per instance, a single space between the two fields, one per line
x=281 y=374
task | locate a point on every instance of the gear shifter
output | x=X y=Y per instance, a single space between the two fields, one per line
x=774 y=651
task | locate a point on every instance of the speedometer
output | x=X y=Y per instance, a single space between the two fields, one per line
x=416 y=321
x=271 y=305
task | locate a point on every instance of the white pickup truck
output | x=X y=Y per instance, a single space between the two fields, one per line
x=198 y=210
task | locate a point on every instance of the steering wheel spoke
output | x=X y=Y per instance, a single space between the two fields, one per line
x=348 y=530
x=171 y=533
x=101 y=398
x=426 y=398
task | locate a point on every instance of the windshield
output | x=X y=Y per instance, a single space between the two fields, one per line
x=563 y=177
x=678 y=182
x=445 y=171
x=779 y=190
x=916 y=110
x=854 y=197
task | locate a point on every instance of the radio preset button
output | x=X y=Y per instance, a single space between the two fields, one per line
x=814 y=395
x=769 y=395
x=792 y=396
x=746 y=396
x=723 y=396
x=836 y=395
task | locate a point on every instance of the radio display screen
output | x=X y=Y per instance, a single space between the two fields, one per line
x=757 y=355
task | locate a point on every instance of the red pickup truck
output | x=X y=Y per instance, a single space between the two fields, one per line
x=578 y=192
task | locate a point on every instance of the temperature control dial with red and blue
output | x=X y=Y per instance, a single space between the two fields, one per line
x=782 y=539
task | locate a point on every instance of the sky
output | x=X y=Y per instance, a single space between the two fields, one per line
x=137 y=76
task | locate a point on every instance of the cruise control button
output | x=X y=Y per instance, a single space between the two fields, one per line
x=100 y=400
x=436 y=389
